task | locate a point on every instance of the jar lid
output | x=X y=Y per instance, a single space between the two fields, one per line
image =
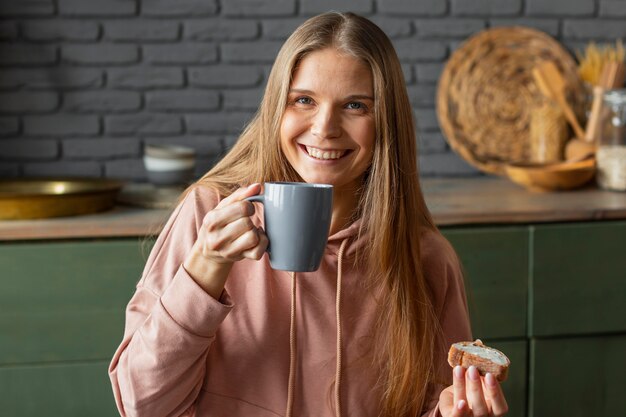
x=617 y=96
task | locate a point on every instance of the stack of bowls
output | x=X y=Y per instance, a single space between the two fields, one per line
x=169 y=164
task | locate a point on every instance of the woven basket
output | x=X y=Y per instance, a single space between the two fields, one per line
x=486 y=94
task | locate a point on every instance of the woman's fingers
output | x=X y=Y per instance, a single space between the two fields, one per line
x=228 y=229
x=493 y=392
x=471 y=395
x=231 y=208
x=458 y=382
x=231 y=232
x=475 y=394
x=240 y=194
x=258 y=251
x=246 y=242
x=460 y=409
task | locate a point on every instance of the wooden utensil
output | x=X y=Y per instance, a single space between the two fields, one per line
x=552 y=84
x=612 y=77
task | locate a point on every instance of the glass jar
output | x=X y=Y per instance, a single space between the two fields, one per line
x=611 y=154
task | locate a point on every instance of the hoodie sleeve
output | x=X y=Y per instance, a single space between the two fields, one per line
x=171 y=322
x=444 y=275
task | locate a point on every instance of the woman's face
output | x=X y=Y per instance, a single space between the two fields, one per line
x=328 y=128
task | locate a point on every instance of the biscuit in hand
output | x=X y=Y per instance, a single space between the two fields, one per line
x=484 y=358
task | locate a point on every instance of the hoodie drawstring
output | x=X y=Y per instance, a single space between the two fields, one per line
x=292 y=338
x=292 y=347
x=338 y=310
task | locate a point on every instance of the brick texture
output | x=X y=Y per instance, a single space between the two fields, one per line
x=412 y=7
x=448 y=27
x=85 y=84
x=61 y=125
x=102 y=101
x=215 y=29
x=27 y=101
x=142 y=124
x=241 y=8
x=141 y=30
x=550 y=26
x=182 y=100
x=27 y=55
x=8 y=31
x=313 y=7
x=488 y=7
x=9 y=126
x=53 y=79
x=145 y=78
x=29 y=149
x=613 y=8
x=24 y=8
x=60 y=30
x=188 y=53
x=101 y=54
x=589 y=29
x=560 y=7
x=97 y=8
x=169 y=8
x=101 y=148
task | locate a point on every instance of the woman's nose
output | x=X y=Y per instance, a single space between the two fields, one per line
x=326 y=123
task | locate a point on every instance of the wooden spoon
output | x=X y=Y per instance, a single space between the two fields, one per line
x=612 y=77
x=552 y=84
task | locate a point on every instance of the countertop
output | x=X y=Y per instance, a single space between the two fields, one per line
x=452 y=201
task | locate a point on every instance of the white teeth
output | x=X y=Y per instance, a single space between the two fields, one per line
x=319 y=154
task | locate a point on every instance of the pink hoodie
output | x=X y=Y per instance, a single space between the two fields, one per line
x=185 y=353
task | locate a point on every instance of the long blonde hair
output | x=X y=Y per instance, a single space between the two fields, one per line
x=407 y=327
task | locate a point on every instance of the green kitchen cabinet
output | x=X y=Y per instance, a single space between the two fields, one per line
x=578 y=376
x=579 y=279
x=495 y=264
x=57 y=389
x=551 y=296
x=61 y=318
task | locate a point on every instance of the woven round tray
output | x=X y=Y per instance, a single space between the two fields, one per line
x=486 y=94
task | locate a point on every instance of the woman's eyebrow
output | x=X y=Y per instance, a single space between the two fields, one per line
x=350 y=97
x=360 y=97
x=300 y=91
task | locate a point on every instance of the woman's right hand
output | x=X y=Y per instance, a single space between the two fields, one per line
x=227 y=235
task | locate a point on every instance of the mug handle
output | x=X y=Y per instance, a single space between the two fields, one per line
x=259 y=199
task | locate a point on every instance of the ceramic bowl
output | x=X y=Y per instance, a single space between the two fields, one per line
x=169 y=164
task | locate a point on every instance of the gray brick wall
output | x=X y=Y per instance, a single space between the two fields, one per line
x=85 y=84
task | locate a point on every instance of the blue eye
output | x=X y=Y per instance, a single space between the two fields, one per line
x=304 y=100
x=355 y=105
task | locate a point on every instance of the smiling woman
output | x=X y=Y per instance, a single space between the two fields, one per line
x=366 y=334
x=327 y=131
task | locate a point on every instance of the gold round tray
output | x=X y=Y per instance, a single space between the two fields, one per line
x=486 y=94
x=39 y=198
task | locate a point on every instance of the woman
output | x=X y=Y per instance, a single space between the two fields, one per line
x=212 y=330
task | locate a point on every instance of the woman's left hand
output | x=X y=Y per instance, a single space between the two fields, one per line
x=472 y=395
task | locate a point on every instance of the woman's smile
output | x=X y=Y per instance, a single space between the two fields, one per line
x=324 y=155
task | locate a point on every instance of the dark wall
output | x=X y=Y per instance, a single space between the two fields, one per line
x=84 y=84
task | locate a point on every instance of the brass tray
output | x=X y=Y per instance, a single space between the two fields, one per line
x=38 y=198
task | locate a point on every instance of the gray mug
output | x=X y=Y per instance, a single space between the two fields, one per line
x=297 y=221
